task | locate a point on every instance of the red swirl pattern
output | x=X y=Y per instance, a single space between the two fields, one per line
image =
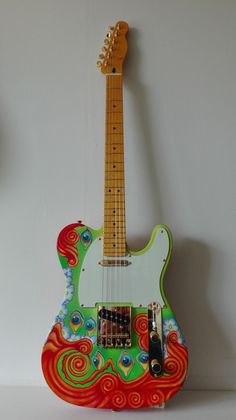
x=106 y=388
x=75 y=364
x=66 y=243
x=141 y=329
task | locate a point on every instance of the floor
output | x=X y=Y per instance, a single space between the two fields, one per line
x=39 y=403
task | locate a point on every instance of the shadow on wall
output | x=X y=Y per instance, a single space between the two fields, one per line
x=147 y=136
x=187 y=279
x=187 y=288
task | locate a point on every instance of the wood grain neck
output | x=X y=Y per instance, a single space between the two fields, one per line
x=114 y=242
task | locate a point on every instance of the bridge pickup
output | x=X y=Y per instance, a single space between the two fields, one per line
x=114 y=316
x=114 y=326
x=155 y=339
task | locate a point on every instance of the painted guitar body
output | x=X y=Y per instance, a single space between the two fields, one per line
x=75 y=366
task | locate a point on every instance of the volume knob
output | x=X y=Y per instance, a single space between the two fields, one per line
x=156 y=367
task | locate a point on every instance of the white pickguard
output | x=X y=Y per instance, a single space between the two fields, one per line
x=137 y=284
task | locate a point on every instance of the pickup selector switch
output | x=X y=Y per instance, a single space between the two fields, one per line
x=154 y=336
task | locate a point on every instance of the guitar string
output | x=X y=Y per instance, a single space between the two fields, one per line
x=104 y=330
x=108 y=186
x=113 y=287
x=115 y=93
x=119 y=285
x=104 y=229
x=120 y=194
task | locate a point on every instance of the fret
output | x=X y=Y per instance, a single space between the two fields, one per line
x=110 y=191
x=115 y=226
x=114 y=183
x=114 y=134
x=108 y=179
x=112 y=203
x=114 y=112
x=115 y=153
x=114 y=250
x=115 y=161
x=113 y=235
x=114 y=195
x=111 y=207
x=111 y=212
x=108 y=232
x=121 y=232
x=113 y=143
x=114 y=212
x=115 y=168
x=114 y=171
x=117 y=217
x=112 y=242
x=110 y=252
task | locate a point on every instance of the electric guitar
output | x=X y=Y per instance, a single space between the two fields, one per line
x=115 y=342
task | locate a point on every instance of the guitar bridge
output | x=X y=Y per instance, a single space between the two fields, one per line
x=114 y=326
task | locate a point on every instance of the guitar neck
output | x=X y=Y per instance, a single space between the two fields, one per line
x=114 y=242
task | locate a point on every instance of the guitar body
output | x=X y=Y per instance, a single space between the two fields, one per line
x=85 y=360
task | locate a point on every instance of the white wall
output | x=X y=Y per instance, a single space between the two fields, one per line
x=180 y=109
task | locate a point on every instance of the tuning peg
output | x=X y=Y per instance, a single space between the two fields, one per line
x=101 y=56
x=104 y=49
x=111 y=28
x=109 y=34
x=106 y=42
x=99 y=63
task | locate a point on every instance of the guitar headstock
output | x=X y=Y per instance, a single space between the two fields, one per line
x=114 y=49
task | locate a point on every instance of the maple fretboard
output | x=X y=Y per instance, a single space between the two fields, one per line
x=114 y=243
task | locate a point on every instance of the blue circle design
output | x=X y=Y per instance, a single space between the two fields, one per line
x=86 y=236
x=126 y=360
x=90 y=324
x=95 y=361
x=143 y=357
x=75 y=319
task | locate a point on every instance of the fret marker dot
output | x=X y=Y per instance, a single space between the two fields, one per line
x=114 y=211
x=114 y=128
x=114 y=148
x=114 y=224
x=114 y=245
